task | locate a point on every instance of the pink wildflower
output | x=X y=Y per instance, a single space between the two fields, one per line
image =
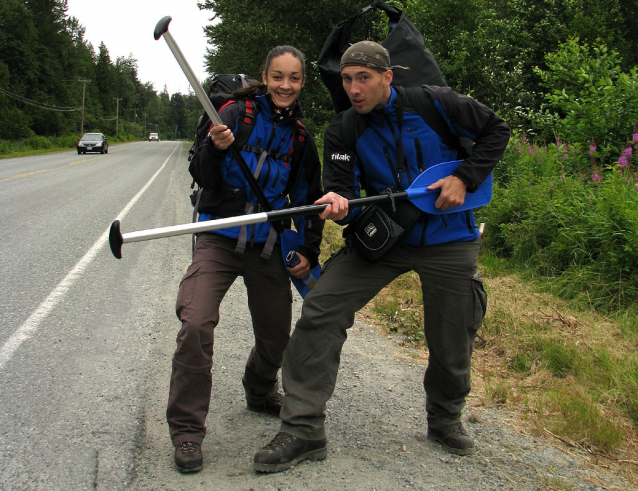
x=635 y=138
x=596 y=178
x=629 y=152
x=562 y=176
x=622 y=161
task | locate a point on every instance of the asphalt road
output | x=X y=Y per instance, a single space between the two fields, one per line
x=76 y=323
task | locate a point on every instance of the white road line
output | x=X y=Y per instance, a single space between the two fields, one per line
x=26 y=330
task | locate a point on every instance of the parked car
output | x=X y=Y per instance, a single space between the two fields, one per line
x=93 y=142
x=153 y=137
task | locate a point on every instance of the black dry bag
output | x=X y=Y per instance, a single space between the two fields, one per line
x=404 y=42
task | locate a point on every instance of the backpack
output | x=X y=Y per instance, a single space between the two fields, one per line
x=220 y=94
x=404 y=42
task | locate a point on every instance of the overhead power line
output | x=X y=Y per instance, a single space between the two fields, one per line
x=40 y=105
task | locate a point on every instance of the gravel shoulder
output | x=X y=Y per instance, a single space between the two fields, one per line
x=376 y=423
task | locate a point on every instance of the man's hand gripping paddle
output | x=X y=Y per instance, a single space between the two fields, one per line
x=417 y=193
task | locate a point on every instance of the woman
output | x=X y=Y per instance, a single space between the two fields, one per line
x=251 y=251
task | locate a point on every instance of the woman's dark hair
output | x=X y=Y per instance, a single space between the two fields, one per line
x=282 y=50
x=258 y=87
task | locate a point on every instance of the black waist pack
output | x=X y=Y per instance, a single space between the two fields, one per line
x=378 y=228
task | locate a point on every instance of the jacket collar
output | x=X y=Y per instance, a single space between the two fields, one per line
x=376 y=115
x=266 y=109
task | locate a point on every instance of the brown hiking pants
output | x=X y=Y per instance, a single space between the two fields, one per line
x=215 y=267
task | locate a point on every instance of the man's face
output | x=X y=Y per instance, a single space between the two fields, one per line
x=366 y=88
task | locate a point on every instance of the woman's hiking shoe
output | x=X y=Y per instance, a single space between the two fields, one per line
x=271 y=406
x=188 y=457
x=285 y=451
x=453 y=438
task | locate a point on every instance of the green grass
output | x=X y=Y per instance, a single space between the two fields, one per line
x=567 y=370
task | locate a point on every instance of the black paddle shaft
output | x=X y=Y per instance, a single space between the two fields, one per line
x=311 y=209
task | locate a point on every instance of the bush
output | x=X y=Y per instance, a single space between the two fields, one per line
x=578 y=230
x=588 y=99
x=38 y=142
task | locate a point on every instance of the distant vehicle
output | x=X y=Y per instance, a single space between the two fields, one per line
x=93 y=142
x=153 y=137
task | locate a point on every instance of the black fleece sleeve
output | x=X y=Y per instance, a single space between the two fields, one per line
x=470 y=118
x=209 y=159
x=340 y=174
x=338 y=162
x=310 y=173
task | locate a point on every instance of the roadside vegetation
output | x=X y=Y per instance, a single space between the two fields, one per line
x=36 y=145
x=51 y=76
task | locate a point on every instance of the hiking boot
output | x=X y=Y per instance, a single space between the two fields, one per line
x=285 y=451
x=453 y=438
x=271 y=406
x=188 y=457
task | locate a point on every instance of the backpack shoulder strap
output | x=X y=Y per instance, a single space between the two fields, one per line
x=296 y=154
x=422 y=102
x=245 y=121
x=352 y=127
x=425 y=108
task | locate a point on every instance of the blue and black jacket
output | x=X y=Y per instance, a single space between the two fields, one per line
x=227 y=191
x=373 y=165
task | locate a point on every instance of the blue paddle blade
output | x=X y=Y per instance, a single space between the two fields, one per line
x=423 y=199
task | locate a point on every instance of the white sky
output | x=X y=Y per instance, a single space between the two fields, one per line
x=126 y=27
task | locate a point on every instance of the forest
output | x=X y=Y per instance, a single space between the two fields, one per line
x=54 y=84
x=493 y=50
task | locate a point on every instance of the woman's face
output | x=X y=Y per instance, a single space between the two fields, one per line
x=284 y=80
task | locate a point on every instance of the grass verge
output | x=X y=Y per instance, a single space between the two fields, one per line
x=569 y=375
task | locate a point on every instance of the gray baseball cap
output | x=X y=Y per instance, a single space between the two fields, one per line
x=368 y=54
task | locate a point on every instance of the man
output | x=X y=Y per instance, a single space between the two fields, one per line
x=442 y=249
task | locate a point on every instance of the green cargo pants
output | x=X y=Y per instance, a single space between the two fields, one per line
x=454 y=303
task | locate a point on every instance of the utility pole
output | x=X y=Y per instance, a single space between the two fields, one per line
x=84 y=81
x=117 y=110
